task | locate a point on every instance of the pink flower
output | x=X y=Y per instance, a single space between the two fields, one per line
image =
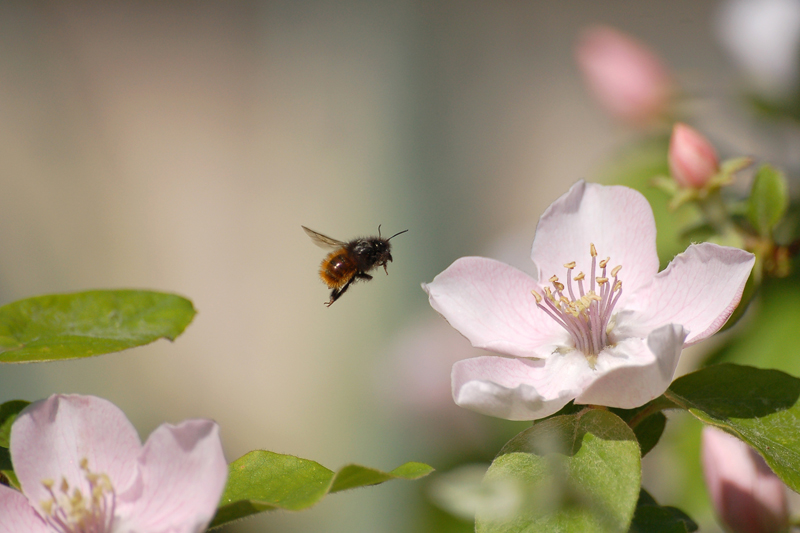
x=610 y=334
x=625 y=76
x=692 y=159
x=82 y=469
x=746 y=494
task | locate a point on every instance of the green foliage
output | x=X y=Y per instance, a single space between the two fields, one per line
x=761 y=407
x=263 y=481
x=648 y=422
x=766 y=340
x=769 y=199
x=8 y=413
x=69 y=326
x=577 y=472
x=653 y=518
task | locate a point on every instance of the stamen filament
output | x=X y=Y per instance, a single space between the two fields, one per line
x=587 y=317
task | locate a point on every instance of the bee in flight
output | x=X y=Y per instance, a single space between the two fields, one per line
x=350 y=261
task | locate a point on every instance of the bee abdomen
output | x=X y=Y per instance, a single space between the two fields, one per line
x=337 y=269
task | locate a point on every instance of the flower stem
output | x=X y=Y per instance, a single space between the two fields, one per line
x=659 y=404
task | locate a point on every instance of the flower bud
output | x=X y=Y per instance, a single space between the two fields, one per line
x=692 y=159
x=747 y=496
x=625 y=76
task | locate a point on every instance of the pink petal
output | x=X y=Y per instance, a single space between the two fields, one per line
x=699 y=290
x=50 y=438
x=624 y=75
x=17 y=515
x=618 y=220
x=635 y=371
x=491 y=304
x=746 y=494
x=519 y=389
x=183 y=473
x=692 y=159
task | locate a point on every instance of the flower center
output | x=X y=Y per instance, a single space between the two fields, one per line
x=72 y=512
x=587 y=314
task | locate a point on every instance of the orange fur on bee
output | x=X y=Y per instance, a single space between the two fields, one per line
x=338 y=268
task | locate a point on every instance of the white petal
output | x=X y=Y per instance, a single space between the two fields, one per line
x=519 y=389
x=49 y=438
x=635 y=371
x=17 y=515
x=617 y=220
x=491 y=304
x=183 y=473
x=699 y=290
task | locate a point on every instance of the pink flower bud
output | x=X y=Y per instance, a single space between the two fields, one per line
x=625 y=76
x=692 y=159
x=747 y=496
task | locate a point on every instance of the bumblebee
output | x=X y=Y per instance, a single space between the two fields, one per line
x=350 y=261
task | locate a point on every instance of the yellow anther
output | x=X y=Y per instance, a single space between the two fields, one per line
x=553 y=279
x=47 y=506
x=579 y=277
x=604 y=262
x=616 y=270
x=537 y=296
x=564 y=300
x=548 y=293
x=64 y=485
x=570 y=265
x=600 y=281
x=618 y=285
x=558 y=286
x=592 y=250
x=48 y=483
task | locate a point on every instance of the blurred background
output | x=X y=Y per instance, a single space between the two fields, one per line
x=179 y=146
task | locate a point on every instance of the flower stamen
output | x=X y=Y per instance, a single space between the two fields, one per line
x=588 y=317
x=71 y=512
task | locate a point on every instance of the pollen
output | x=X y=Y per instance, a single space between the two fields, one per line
x=585 y=312
x=70 y=511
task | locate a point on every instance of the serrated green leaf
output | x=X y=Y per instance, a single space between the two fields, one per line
x=759 y=406
x=263 y=481
x=69 y=326
x=579 y=472
x=769 y=198
x=653 y=518
x=8 y=413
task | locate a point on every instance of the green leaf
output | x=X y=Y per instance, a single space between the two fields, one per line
x=653 y=518
x=769 y=198
x=263 y=481
x=579 y=472
x=649 y=429
x=69 y=326
x=8 y=413
x=769 y=336
x=758 y=406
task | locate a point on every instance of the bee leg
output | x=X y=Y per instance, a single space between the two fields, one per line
x=362 y=275
x=336 y=293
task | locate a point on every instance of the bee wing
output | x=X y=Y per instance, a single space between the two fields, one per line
x=323 y=241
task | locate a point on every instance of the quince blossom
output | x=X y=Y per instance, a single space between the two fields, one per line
x=597 y=323
x=83 y=469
